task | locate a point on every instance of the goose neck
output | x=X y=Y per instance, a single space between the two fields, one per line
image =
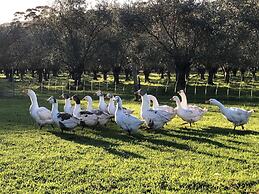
x=68 y=102
x=145 y=105
x=54 y=109
x=178 y=103
x=184 y=100
x=154 y=101
x=119 y=105
x=77 y=109
x=89 y=104
x=101 y=100
x=219 y=104
x=34 y=101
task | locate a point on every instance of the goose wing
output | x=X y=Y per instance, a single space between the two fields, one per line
x=191 y=113
x=237 y=115
x=166 y=108
x=44 y=113
x=158 y=115
x=129 y=122
x=64 y=116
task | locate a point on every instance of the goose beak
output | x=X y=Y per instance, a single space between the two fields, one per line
x=171 y=99
x=207 y=101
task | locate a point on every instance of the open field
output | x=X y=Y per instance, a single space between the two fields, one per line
x=209 y=157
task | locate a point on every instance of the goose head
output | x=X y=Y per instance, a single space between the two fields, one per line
x=212 y=101
x=30 y=93
x=99 y=93
x=180 y=92
x=52 y=100
x=109 y=96
x=76 y=99
x=65 y=96
x=116 y=99
x=140 y=92
x=175 y=98
x=87 y=98
x=215 y=102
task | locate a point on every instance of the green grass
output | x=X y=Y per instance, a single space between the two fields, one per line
x=209 y=157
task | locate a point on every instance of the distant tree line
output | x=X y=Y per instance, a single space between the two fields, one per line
x=164 y=36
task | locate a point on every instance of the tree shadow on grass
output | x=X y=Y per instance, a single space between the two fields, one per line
x=141 y=139
x=106 y=145
x=229 y=131
x=185 y=135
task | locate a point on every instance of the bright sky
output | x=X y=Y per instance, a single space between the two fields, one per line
x=9 y=7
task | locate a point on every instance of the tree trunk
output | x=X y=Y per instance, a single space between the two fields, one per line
x=146 y=74
x=242 y=71
x=105 y=75
x=136 y=81
x=162 y=72
x=201 y=72
x=227 y=75
x=77 y=77
x=116 y=74
x=182 y=69
x=7 y=73
x=45 y=75
x=55 y=72
x=211 y=76
x=95 y=75
x=254 y=75
x=127 y=74
x=168 y=73
x=116 y=78
x=22 y=73
x=32 y=73
x=234 y=71
x=40 y=74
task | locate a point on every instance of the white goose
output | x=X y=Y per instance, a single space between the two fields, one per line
x=41 y=115
x=237 y=116
x=102 y=104
x=154 y=119
x=68 y=108
x=189 y=115
x=156 y=105
x=103 y=118
x=112 y=108
x=88 y=118
x=63 y=120
x=126 y=121
x=185 y=105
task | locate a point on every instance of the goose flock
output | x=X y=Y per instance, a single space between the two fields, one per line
x=154 y=115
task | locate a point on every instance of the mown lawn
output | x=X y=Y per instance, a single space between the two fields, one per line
x=209 y=157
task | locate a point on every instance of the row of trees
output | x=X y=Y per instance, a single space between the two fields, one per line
x=156 y=35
